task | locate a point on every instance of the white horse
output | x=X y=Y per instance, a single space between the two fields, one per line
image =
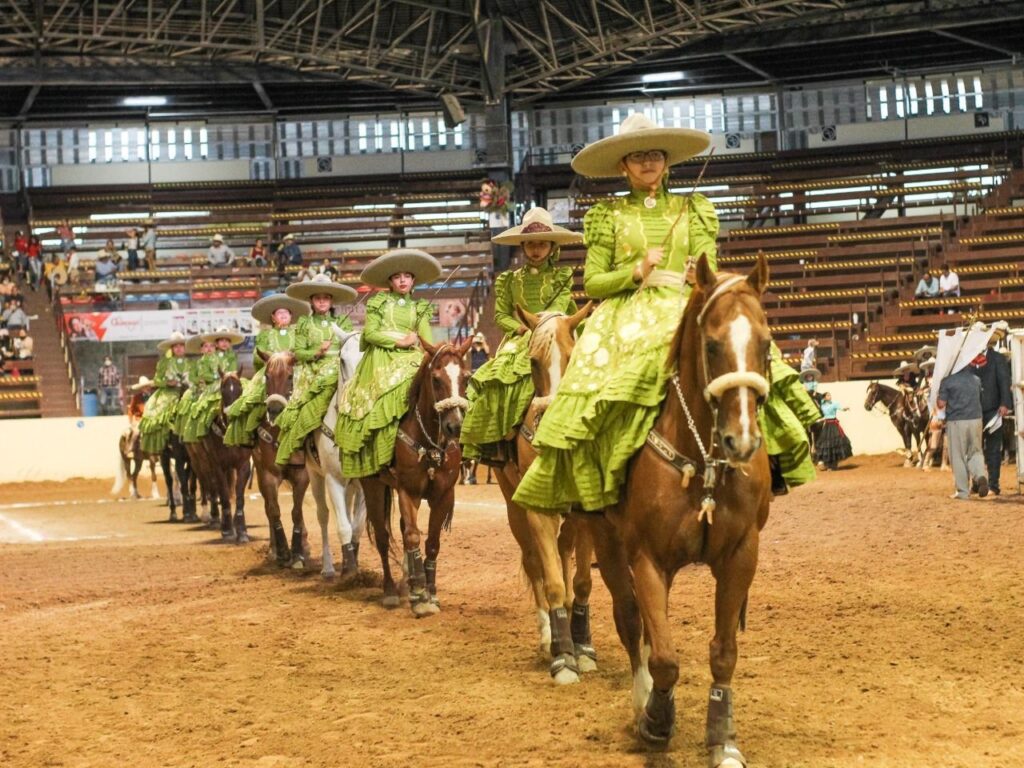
x=323 y=462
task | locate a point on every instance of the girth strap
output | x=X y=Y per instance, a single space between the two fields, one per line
x=217 y=428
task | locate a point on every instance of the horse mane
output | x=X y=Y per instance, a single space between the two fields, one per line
x=543 y=334
x=279 y=363
x=695 y=304
x=417 y=383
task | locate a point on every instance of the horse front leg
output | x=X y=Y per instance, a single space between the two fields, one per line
x=323 y=517
x=299 y=479
x=165 y=466
x=544 y=529
x=154 y=492
x=378 y=512
x=241 y=469
x=269 y=481
x=412 y=562
x=656 y=722
x=582 y=584
x=355 y=503
x=135 y=466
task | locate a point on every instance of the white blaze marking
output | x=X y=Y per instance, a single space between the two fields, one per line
x=555 y=366
x=453 y=370
x=739 y=334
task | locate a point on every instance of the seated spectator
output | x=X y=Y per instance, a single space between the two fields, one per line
x=220 y=255
x=23 y=345
x=290 y=252
x=7 y=287
x=74 y=266
x=326 y=268
x=110 y=252
x=927 y=287
x=14 y=316
x=106 y=268
x=258 y=254
x=949 y=282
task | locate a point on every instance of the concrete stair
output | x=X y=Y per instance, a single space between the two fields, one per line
x=48 y=357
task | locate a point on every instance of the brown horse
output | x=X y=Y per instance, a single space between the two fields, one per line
x=549 y=539
x=697 y=492
x=909 y=416
x=130 y=465
x=426 y=466
x=269 y=475
x=229 y=466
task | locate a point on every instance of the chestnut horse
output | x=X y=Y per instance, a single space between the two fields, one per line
x=909 y=416
x=696 y=492
x=269 y=475
x=426 y=466
x=228 y=468
x=550 y=539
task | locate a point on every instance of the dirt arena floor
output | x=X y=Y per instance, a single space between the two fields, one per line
x=885 y=629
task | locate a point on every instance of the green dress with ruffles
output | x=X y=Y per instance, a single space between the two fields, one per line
x=784 y=419
x=501 y=389
x=206 y=403
x=315 y=382
x=203 y=372
x=158 y=419
x=246 y=413
x=612 y=390
x=376 y=397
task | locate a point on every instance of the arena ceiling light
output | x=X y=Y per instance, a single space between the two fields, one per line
x=178 y=214
x=662 y=77
x=119 y=216
x=144 y=101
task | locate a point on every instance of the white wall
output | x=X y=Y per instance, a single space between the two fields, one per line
x=898 y=130
x=870 y=432
x=208 y=170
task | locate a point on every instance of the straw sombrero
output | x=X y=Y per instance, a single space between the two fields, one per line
x=175 y=338
x=906 y=367
x=927 y=365
x=194 y=346
x=144 y=382
x=224 y=333
x=924 y=353
x=537 y=226
x=263 y=309
x=307 y=289
x=217 y=239
x=424 y=267
x=811 y=374
x=638 y=134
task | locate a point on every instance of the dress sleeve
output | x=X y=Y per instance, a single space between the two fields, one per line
x=305 y=351
x=600 y=279
x=372 y=333
x=160 y=377
x=703 y=229
x=504 y=311
x=262 y=345
x=345 y=323
x=424 y=314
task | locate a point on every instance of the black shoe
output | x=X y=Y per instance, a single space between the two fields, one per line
x=982 y=487
x=993 y=490
x=778 y=481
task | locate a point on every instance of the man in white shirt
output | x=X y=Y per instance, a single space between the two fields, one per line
x=220 y=255
x=949 y=283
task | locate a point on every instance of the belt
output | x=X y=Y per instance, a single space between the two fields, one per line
x=665 y=278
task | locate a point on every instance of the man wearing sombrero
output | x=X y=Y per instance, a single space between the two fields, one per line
x=376 y=398
x=500 y=391
x=221 y=359
x=275 y=314
x=316 y=350
x=172 y=377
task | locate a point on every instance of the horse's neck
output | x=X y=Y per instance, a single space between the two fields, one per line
x=424 y=405
x=672 y=422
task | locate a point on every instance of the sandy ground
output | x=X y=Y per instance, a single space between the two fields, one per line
x=884 y=630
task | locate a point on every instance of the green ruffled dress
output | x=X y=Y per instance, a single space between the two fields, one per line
x=612 y=390
x=316 y=380
x=158 y=419
x=376 y=397
x=206 y=400
x=246 y=413
x=501 y=389
x=784 y=419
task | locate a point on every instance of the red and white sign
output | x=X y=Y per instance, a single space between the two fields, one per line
x=155 y=325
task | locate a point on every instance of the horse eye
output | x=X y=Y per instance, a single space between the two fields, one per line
x=712 y=347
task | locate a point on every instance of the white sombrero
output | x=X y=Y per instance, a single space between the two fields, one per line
x=420 y=264
x=811 y=374
x=194 y=346
x=906 y=367
x=144 y=382
x=217 y=239
x=927 y=365
x=224 y=333
x=537 y=226
x=263 y=309
x=924 y=353
x=638 y=134
x=322 y=284
x=175 y=338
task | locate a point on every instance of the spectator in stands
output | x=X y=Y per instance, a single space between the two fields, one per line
x=23 y=346
x=54 y=274
x=20 y=253
x=35 y=262
x=290 y=251
x=109 y=381
x=7 y=286
x=809 y=359
x=14 y=316
x=148 y=245
x=106 y=267
x=960 y=398
x=258 y=254
x=993 y=371
x=927 y=287
x=132 y=246
x=326 y=268
x=110 y=250
x=949 y=284
x=219 y=254
x=479 y=353
x=66 y=235
x=74 y=266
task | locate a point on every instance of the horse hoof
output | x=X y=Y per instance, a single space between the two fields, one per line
x=328 y=575
x=565 y=677
x=655 y=739
x=242 y=538
x=425 y=608
x=391 y=601
x=564 y=670
x=298 y=564
x=227 y=535
x=586 y=664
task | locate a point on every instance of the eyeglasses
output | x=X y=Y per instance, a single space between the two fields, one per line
x=650 y=156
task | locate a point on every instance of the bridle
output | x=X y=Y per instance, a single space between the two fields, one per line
x=439 y=447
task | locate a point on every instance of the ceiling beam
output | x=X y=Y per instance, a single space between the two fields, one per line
x=747 y=65
x=262 y=93
x=30 y=99
x=977 y=43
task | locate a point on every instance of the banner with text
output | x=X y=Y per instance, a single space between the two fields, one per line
x=155 y=325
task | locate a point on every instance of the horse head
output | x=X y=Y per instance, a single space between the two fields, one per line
x=350 y=354
x=733 y=342
x=230 y=388
x=443 y=376
x=871 y=396
x=280 y=366
x=551 y=345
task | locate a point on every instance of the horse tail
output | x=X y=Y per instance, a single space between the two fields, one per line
x=121 y=476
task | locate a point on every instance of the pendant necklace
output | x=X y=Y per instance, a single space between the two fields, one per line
x=650 y=202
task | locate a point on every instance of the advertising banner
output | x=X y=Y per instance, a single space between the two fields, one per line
x=155 y=325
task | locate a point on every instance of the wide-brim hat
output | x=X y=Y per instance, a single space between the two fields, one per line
x=224 y=333
x=811 y=374
x=322 y=284
x=194 y=346
x=1000 y=328
x=638 y=133
x=907 y=367
x=217 y=239
x=288 y=237
x=175 y=338
x=537 y=226
x=144 y=382
x=924 y=353
x=926 y=366
x=263 y=309
x=420 y=264
x=479 y=337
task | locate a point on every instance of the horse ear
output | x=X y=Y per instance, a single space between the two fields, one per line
x=528 y=319
x=580 y=316
x=262 y=355
x=428 y=348
x=705 y=274
x=464 y=348
x=758 y=277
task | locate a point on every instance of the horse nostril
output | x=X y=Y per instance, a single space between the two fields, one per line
x=729 y=443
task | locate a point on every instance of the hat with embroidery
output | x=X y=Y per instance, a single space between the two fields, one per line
x=322 y=285
x=263 y=310
x=144 y=382
x=175 y=338
x=537 y=226
x=638 y=133
x=907 y=367
x=224 y=333
x=420 y=264
x=811 y=374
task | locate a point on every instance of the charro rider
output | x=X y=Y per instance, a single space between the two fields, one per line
x=500 y=391
x=202 y=371
x=275 y=314
x=375 y=399
x=141 y=390
x=316 y=350
x=221 y=360
x=907 y=376
x=639 y=249
x=172 y=377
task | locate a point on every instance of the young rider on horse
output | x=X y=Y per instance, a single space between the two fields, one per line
x=316 y=350
x=640 y=248
x=173 y=373
x=376 y=397
x=501 y=389
x=275 y=314
x=203 y=372
x=208 y=371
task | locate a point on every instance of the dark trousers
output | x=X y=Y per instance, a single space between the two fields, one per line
x=992 y=448
x=133 y=260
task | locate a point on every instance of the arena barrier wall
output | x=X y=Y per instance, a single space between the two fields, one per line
x=58 y=449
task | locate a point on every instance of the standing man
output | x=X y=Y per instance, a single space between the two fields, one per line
x=993 y=371
x=148 y=245
x=110 y=388
x=960 y=397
